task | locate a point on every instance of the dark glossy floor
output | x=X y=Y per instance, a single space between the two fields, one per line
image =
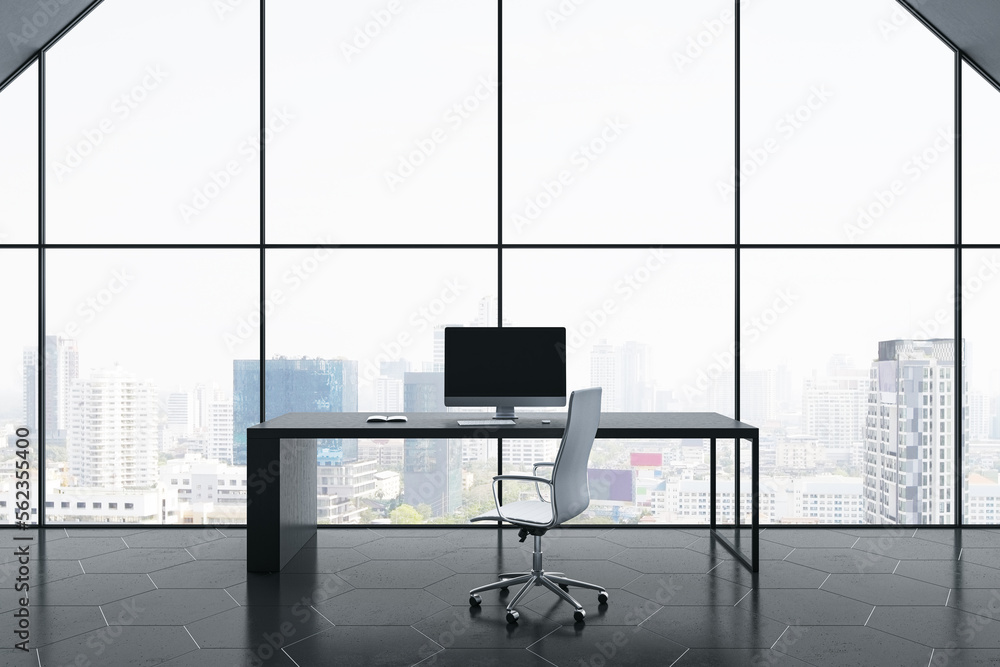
x=400 y=597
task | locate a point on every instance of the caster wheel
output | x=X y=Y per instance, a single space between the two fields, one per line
x=564 y=587
x=504 y=591
x=475 y=600
x=602 y=597
x=579 y=615
x=512 y=616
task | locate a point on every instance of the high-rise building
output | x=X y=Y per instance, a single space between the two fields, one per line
x=388 y=394
x=62 y=367
x=180 y=411
x=634 y=391
x=220 y=431
x=604 y=374
x=834 y=412
x=432 y=467
x=112 y=432
x=295 y=385
x=909 y=437
x=758 y=396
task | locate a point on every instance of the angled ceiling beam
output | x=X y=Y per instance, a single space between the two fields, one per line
x=28 y=26
x=971 y=27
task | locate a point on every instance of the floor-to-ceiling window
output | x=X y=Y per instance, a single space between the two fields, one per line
x=747 y=208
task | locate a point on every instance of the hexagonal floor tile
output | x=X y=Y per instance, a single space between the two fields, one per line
x=357 y=645
x=232 y=656
x=389 y=574
x=576 y=548
x=905 y=548
x=772 y=574
x=406 y=548
x=258 y=627
x=324 y=560
x=969 y=538
x=202 y=574
x=175 y=606
x=688 y=589
x=677 y=561
x=797 y=606
x=135 y=560
x=807 y=538
x=339 y=538
x=842 y=561
x=712 y=547
x=737 y=657
x=119 y=645
x=623 y=608
x=714 y=627
x=987 y=557
x=175 y=538
x=607 y=645
x=288 y=588
x=860 y=646
x=92 y=589
x=470 y=657
x=230 y=548
x=485 y=627
x=76 y=548
x=50 y=624
x=885 y=589
x=950 y=573
x=378 y=607
x=485 y=560
x=649 y=538
x=937 y=627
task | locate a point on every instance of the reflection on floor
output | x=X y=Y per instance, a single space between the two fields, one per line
x=400 y=597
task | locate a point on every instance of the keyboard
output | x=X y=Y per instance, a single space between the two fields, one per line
x=486 y=422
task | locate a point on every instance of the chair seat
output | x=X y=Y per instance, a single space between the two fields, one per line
x=535 y=511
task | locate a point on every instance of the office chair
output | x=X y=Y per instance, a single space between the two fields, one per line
x=569 y=495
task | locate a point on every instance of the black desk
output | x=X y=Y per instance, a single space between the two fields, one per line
x=281 y=464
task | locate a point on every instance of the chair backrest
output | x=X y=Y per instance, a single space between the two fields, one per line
x=570 y=491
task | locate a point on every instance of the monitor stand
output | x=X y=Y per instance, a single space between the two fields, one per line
x=505 y=412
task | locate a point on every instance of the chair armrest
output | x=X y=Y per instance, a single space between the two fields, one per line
x=521 y=478
x=534 y=471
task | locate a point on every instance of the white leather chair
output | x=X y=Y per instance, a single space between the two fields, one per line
x=569 y=495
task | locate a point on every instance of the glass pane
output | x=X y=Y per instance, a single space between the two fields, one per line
x=161 y=146
x=980 y=299
x=148 y=434
x=19 y=386
x=618 y=121
x=980 y=168
x=362 y=330
x=395 y=109
x=847 y=129
x=654 y=329
x=851 y=381
x=19 y=167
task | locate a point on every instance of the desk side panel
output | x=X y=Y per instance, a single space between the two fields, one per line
x=281 y=516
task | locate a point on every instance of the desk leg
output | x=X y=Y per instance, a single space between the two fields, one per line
x=281 y=500
x=711 y=485
x=737 y=505
x=755 y=500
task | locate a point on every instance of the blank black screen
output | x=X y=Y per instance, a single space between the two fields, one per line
x=506 y=361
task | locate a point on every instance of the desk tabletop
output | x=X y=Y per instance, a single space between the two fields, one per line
x=445 y=425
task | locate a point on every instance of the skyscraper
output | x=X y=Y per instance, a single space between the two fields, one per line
x=432 y=468
x=220 y=431
x=909 y=438
x=62 y=367
x=604 y=374
x=112 y=431
x=295 y=385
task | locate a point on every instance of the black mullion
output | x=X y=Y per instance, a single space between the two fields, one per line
x=737 y=507
x=499 y=215
x=959 y=392
x=262 y=240
x=40 y=410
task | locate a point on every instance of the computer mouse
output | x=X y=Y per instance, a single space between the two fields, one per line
x=546 y=421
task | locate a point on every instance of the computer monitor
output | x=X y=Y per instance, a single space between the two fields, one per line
x=505 y=367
